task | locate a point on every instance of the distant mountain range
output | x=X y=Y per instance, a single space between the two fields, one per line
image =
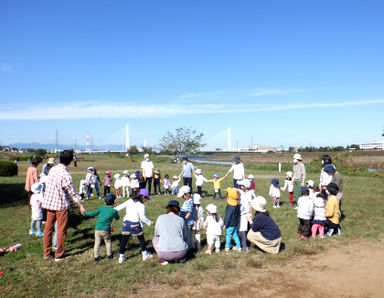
x=48 y=147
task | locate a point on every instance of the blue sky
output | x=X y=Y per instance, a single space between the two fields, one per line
x=276 y=72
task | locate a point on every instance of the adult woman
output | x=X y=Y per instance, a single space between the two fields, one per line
x=187 y=172
x=31 y=177
x=264 y=232
x=238 y=171
x=147 y=168
x=171 y=235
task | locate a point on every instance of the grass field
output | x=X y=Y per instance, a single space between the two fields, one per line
x=25 y=273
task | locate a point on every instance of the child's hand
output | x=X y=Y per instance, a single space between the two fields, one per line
x=152 y=223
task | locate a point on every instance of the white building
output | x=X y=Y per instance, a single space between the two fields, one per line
x=379 y=145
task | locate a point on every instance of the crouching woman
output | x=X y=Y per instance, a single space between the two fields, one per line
x=264 y=232
x=171 y=235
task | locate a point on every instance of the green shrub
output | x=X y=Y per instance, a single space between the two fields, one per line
x=8 y=168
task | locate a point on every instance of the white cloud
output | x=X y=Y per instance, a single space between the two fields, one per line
x=5 y=67
x=127 y=111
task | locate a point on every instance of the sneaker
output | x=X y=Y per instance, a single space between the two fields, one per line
x=304 y=237
x=227 y=249
x=246 y=249
x=274 y=206
x=236 y=249
x=40 y=234
x=97 y=259
x=32 y=232
x=110 y=257
x=183 y=260
x=163 y=262
x=47 y=257
x=299 y=234
x=122 y=259
x=208 y=252
x=217 y=251
x=147 y=257
x=278 y=206
x=60 y=259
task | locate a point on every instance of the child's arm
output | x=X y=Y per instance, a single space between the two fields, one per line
x=91 y=213
x=122 y=206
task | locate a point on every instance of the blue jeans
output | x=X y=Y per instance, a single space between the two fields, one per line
x=235 y=185
x=175 y=190
x=214 y=194
x=232 y=232
x=38 y=225
x=90 y=190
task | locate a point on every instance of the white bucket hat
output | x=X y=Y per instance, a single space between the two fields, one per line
x=183 y=190
x=126 y=172
x=311 y=183
x=196 y=199
x=117 y=176
x=198 y=171
x=251 y=177
x=211 y=208
x=259 y=204
x=289 y=174
x=245 y=182
x=146 y=155
x=297 y=156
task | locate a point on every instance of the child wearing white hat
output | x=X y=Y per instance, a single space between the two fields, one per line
x=37 y=210
x=288 y=183
x=198 y=220
x=175 y=185
x=125 y=183
x=118 y=185
x=213 y=226
x=200 y=179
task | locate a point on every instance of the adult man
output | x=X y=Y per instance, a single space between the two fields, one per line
x=59 y=188
x=298 y=175
x=147 y=170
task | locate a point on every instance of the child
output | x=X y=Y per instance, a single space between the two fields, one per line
x=246 y=197
x=252 y=180
x=82 y=189
x=107 y=182
x=304 y=213
x=232 y=219
x=213 y=225
x=88 y=182
x=157 y=181
x=311 y=185
x=319 y=219
x=166 y=185
x=198 y=220
x=200 y=179
x=332 y=209
x=37 y=211
x=175 y=185
x=135 y=185
x=103 y=225
x=274 y=192
x=118 y=184
x=289 y=184
x=93 y=183
x=133 y=222
x=125 y=183
x=216 y=185
x=141 y=179
x=187 y=210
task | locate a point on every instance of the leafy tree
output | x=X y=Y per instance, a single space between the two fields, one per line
x=40 y=152
x=183 y=140
x=133 y=150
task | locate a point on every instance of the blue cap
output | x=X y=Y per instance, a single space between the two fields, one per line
x=329 y=168
x=304 y=189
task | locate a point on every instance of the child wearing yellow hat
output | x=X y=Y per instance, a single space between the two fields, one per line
x=232 y=219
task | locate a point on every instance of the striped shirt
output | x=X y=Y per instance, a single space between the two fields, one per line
x=59 y=187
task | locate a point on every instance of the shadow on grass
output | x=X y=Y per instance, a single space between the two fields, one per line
x=13 y=194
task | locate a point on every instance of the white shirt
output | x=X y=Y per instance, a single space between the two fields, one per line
x=304 y=207
x=125 y=181
x=118 y=183
x=147 y=167
x=175 y=183
x=213 y=227
x=135 y=211
x=245 y=201
x=289 y=184
x=135 y=183
x=325 y=178
x=200 y=179
x=274 y=191
x=238 y=171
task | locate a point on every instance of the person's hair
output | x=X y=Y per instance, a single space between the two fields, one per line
x=137 y=197
x=66 y=157
x=259 y=212
x=305 y=193
x=320 y=195
x=166 y=176
x=289 y=178
x=35 y=161
x=316 y=189
x=326 y=159
x=173 y=209
x=109 y=203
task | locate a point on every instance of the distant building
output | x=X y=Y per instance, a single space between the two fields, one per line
x=262 y=148
x=379 y=145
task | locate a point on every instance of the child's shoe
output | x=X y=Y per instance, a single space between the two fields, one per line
x=32 y=232
x=110 y=257
x=209 y=252
x=97 y=259
x=278 y=206
x=122 y=259
x=304 y=237
x=217 y=251
x=299 y=234
x=163 y=262
x=236 y=249
x=227 y=249
x=40 y=234
x=147 y=257
x=274 y=206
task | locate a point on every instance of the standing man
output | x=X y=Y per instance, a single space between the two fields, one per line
x=238 y=171
x=59 y=188
x=147 y=170
x=187 y=172
x=298 y=175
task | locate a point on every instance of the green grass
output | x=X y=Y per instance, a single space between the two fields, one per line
x=27 y=274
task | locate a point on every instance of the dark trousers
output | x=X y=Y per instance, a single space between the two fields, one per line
x=188 y=181
x=235 y=185
x=107 y=190
x=243 y=239
x=304 y=227
x=125 y=239
x=214 y=194
x=199 y=190
x=156 y=185
x=148 y=181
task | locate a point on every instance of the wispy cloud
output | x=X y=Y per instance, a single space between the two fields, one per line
x=127 y=111
x=262 y=91
x=5 y=67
